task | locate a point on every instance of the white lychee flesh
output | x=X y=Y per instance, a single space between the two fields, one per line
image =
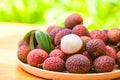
x=71 y=44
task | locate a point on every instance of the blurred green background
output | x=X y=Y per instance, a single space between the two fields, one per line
x=97 y=14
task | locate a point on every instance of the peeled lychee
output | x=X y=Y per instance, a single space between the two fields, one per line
x=23 y=51
x=118 y=58
x=114 y=35
x=53 y=64
x=110 y=52
x=60 y=34
x=80 y=30
x=73 y=20
x=71 y=44
x=54 y=32
x=99 y=34
x=85 y=39
x=77 y=64
x=36 y=57
x=96 y=47
x=57 y=53
x=104 y=64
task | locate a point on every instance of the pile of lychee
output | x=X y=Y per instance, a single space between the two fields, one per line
x=72 y=48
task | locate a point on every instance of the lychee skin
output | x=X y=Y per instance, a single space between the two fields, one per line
x=50 y=28
x=73 y=20
x=36 y=57
x=77 y=64
x=54 y=32
x=23 y=51
x=60 y=34
x=118 y=58
x=104 y=64
x=80 y=30
x=96 y=47
x=53 y=64
x=114 y=35
x=57 y=53
x=85 y=39
x=110 y=52
x=71 y=44
x=99 y=34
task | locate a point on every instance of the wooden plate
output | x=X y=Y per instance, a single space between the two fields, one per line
x=68 y=76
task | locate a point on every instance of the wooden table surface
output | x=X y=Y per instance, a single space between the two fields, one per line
x=10 y=35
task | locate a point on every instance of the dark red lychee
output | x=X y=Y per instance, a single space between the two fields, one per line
x=23 y=51
x=49 y=29
x=77 y=64
x=60 y=34
x=110 y=52
x=114 y=35
x=96 y=47
x=99 y=34
x=36 y=57
x=54 y=32
x=118 y=58
x=104 y=64
x=53 y=64
x=80 y=30
x=85 y=39
x=73 y=20
x=57 y=53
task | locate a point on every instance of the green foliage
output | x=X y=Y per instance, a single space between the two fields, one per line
x=97 y=14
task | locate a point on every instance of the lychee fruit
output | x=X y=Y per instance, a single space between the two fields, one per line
x=49 y=29
x=96 y=47
x=57 y=53
x=114 y=35
x=36 y=57
x=71 y=44
x=85 y=39
x=80 y=30
x=77 y=64
x=54 y=32
x=53 y=64
x=73 y=20
x=60 y=34
x=118 y=58
x=23 y=51
x=103 y=64
x=99 y=34
x=110 y=52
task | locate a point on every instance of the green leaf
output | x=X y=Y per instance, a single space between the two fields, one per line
x=32 y=41
x=27 y=35
x=43 y=40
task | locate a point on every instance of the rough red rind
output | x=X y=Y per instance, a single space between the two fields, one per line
x=77 y=64
x=114 y=35
x=104 y=64
x=85 y=39
x=99 y=34
x=60 y=34
x=118 y=58
x=23 y=51
x=96 y=47
x=36 y=57
x=73 y=20
x=80 y=30
x=53 y=64
x=49 y=29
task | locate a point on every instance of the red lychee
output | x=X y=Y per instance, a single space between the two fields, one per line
x=49 y=29
x=114 y=35
x=99 y=34
x=77 y=64
x=60 y=34
x=23 y=51
x=53 y=64
x=36 y=57
x=80 y=30
x=57 y=53
x=118 y=58
x=110 y=52
x=104 y=64
x=96 y=47
x=85 y=39
x=73 y=20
